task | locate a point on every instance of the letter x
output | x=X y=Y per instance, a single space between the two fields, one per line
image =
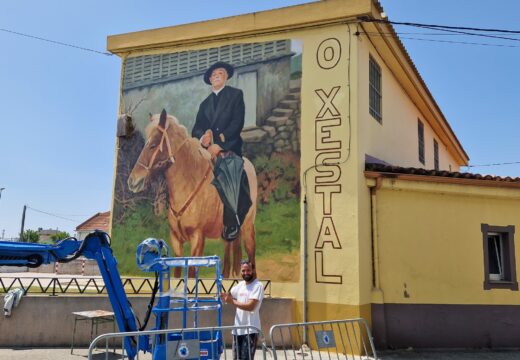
x=327 y=102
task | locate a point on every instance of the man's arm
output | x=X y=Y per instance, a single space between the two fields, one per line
x=231 y=133
x=200 y=126
x=250 y=305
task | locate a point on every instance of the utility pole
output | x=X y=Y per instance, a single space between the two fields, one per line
x=23 y=223
x=1 y=189
x=3 y=233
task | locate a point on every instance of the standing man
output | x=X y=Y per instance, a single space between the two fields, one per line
x=218 y=125
x=247 y=296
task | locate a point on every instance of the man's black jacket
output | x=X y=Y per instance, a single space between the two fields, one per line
x=226 y=120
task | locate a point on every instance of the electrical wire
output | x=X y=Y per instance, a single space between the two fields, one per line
x=459 y=42
x=436 y=40
x=495 y=164
x=453 y=30
x=416 y=33
x=50 y=214
x=470 y=33
x=367 y=19
x=56 y=42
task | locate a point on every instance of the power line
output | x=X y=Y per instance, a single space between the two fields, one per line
x=460 y=42
x=56 y=42
x=470 y=33
x=367 y=19
x=50 y=214
x=416 y=33
x=495 y=164
x=438 y=40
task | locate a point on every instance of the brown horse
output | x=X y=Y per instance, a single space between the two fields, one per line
x=195 y=207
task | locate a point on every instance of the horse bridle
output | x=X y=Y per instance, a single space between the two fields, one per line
x=171 y=155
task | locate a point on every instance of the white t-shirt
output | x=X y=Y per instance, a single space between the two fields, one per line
x=243 y=293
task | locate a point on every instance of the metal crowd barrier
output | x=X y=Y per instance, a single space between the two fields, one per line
x=108 y=341
x=349 y=339
x=55 y=285
x=336 y=339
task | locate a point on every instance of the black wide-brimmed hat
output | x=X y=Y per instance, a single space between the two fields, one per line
x=219 y=64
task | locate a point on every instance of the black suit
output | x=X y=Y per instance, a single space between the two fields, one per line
x=226 y=119
x=224 y=115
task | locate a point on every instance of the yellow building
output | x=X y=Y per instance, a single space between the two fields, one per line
x=444 y=258
x=390 y=248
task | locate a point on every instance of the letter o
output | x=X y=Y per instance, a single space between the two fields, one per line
x=328 y=53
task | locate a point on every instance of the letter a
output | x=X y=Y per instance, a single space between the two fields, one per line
x=327 y=234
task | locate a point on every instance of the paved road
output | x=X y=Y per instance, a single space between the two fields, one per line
x=450 y=355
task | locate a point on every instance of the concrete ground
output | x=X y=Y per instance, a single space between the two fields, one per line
x=450 y=355
x=80 y=354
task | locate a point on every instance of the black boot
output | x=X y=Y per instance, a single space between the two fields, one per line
x=231 y=226
x=230 y=233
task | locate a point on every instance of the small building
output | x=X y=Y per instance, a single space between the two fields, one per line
x=45 y=234
x=99 y=221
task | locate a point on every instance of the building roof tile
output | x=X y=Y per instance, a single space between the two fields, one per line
x=390 y=169
x=100 y=221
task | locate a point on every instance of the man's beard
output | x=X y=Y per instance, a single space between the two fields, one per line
x=247 y=278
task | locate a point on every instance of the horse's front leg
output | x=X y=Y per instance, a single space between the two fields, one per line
x=249 y=237
x=197 y=241
x=227 y=262
x=237 y=255
x=177 y=246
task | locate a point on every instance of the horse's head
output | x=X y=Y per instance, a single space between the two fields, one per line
x=164 y=137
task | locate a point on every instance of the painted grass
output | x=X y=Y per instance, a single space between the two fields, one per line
x=277 y=232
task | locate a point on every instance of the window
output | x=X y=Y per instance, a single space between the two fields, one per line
x=435 y=155
x=499 y=257
x=374 y=92
x=420 y=133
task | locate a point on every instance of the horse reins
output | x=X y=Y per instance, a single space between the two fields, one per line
x=190 y=198
x=171 y=155
x=178 y=213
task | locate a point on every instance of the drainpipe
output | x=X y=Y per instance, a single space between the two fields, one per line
x=375 y=249
x=375 y=234
x=305 y=289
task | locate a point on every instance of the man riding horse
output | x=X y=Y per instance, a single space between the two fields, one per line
x=218 y=125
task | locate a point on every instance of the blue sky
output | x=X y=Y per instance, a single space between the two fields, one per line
x=58 y=105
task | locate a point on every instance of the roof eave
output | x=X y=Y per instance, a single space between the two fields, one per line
x=394 y=46
x=265 y=22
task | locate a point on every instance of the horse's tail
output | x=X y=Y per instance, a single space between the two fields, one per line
x=253 y=185
x=247 y=233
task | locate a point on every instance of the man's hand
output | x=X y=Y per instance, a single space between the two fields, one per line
x=227 y=298
x=214 y=150
x=205 y=140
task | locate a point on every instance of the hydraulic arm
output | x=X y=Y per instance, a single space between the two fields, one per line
x=96 y=246
x=152 y=256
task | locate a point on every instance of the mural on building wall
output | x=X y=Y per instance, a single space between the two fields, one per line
x=209 y=148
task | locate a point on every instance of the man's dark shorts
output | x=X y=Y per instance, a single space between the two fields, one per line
x=244 y=346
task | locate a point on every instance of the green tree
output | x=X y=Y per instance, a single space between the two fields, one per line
x=60 y=235
x=31 y=236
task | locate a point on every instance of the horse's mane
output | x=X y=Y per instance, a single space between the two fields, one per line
x=179 y=130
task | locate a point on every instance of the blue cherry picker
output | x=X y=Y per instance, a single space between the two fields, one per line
x=152 y=256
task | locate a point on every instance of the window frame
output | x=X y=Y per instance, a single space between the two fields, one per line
x=508 y=257
x=374 y=91
x=420 y=142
